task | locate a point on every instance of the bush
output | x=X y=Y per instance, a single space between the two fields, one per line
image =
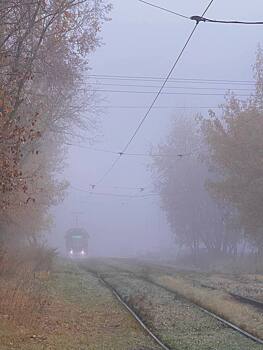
x=24 y=286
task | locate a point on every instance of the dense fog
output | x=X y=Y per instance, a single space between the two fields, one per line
x=131 y=183
x=141 y=41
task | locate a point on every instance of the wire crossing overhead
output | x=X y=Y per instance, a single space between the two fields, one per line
x=185 y=80
x=164 y=9
x=203 y=19
x=160 y=107
x=155 y=98
x=173 y=155
x=169 y=87
x=109 y=170
x=165 y=93
x=198 y=19
x=110 y=194
x=162 y=87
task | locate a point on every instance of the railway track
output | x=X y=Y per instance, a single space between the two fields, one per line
x=129 y=308
x=243 y=299
x=167 y=289
x=132 y=312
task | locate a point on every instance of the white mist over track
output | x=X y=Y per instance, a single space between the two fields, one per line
x=142 y=41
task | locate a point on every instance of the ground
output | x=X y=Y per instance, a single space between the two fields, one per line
x=175 y=316
x=83 y=314
x=209 y=290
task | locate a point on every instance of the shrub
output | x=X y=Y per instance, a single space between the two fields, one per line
x=24 y=278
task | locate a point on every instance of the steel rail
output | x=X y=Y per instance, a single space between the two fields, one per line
x=227 y=323
x=131 y=311
x=212 y=314
x=243 y=299
x=247 y=300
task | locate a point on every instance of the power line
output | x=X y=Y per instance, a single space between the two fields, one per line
x=164 y=93
x=92 y=148
x=209 y=20
x=207 y=8
x=109 y=169
x=156 y=107
x=173 y=155
x=202 y=18
x=185 y=80
x=171 y=87
x=164 y=83
x=164 y=9
x=155 y=99
x=178 y=155
x=113 y=194
x=160 y=107
x=138 y=189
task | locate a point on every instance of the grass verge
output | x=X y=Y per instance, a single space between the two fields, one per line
x=218 y=302
x=82 y=315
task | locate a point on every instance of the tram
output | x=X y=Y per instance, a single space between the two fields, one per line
x=76 y=240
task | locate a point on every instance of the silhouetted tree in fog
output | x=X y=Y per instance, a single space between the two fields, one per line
x=197 y=221
x=236 y=151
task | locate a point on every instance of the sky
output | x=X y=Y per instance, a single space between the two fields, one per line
x=144 y=41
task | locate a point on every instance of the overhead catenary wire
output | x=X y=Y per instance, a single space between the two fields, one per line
x=164 y=83
x=173 y=155
x=140 y=189
x=102 y=150
x=202 y=18
x=110 y=194
x=164 y=9
x=165 y=93
x=155 y=98
x=185 y=80
x=171 y=87
x=109 y=170
x=178 y=155
x=209 y=20
x=158 y=107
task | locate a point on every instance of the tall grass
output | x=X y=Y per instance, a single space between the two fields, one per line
x=219 y=302
x=24 y=282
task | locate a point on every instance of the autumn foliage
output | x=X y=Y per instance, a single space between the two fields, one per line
x=44 y=48
x=213 y=193
x=235 y=150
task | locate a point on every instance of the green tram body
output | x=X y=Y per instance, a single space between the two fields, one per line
x=77 y=242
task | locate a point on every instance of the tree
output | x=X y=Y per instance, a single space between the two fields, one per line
x=236 y=151
x=44 y=50
x=196 y=220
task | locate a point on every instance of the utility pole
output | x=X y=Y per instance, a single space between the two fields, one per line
x=77 y=213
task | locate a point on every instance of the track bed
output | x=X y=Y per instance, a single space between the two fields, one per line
x=178 y=323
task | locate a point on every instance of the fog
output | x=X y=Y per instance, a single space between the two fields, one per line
x=144 y=41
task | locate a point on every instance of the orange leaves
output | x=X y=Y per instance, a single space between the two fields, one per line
x=44 y=52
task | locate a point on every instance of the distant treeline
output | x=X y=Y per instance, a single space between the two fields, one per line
x=213 y=192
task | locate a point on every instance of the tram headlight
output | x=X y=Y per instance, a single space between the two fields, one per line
x=71 y=252
x=82 y=252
